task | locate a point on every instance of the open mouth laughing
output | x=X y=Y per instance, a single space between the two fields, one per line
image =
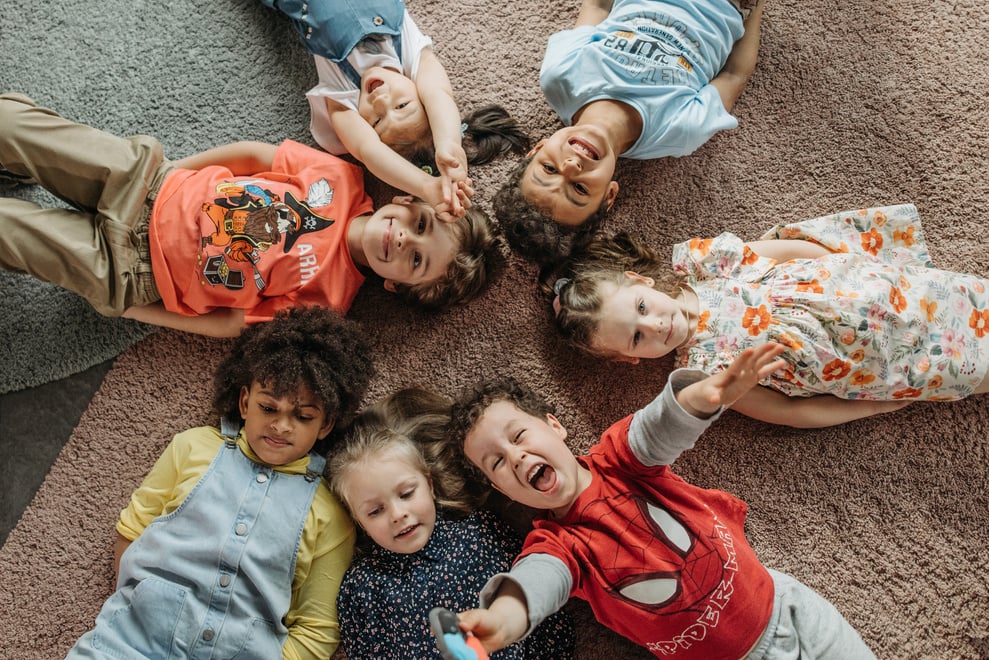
x=542 y=477
x=583 y=148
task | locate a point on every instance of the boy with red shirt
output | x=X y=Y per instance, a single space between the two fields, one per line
x=222 y=238
x=660 y=561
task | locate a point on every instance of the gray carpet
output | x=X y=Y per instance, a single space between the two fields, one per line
x=853 y=104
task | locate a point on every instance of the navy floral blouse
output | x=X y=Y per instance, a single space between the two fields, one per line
x=385 y=598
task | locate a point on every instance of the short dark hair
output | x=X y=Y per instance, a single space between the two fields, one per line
x=302 y=346
x=532 y=233
x=470 y=406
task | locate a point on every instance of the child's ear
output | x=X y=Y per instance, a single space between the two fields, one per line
x=612 y=193
x=642 y=279
x=245 y=394
x=391 y=286
x=558 y=428
x=536 y=147
x=326 y=428
x=626 y=359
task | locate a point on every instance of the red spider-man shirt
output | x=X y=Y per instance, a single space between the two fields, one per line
x=660 y=561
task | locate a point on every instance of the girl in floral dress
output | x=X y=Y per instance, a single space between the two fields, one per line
x=854 y=297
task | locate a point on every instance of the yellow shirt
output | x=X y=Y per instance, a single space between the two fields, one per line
x=325 y=550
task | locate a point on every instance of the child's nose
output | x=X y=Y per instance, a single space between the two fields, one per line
x=571 y=165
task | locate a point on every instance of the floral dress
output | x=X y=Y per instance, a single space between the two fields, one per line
x=873 y=320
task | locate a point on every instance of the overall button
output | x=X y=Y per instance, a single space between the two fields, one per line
x=378 y=20
x=241 y=529
x=262 y=477
x=224 y=580
x=208 y=634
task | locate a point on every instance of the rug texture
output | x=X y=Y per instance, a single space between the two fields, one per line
x=853 y=104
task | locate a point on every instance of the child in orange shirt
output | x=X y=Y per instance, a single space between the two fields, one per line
x=220 y=239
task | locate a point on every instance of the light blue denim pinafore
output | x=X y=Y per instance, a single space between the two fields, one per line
x=212 y=579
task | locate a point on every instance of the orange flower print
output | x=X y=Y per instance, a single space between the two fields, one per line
x=748 y=256
x=904 y=236
x=814 y=286
x=879 y=219
x=857 y=356
x=847 y=337
x=935 y=382
x=908 y=393
x=862 y=377
x=843 y=247
x=790 y=342
x=824 y=274
x=872 y=241
x=756 y=319
x=700 y=245
x=702 y=320
x=979 y=321
x=904 y=283
x=923 y=365
x=928 y=308
x=897 y=300
x=835 y=369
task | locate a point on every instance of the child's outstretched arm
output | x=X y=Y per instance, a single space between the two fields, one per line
x=241 y=158
x=593 y=12
x=364 y=144
x=738 y=68
x=436 y=94
x=503 y=622
x=813 y=412
x=704 y=398
x=224 y=322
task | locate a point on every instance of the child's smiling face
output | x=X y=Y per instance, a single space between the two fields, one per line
x=389 y=102
x=282 y=429
x=392 y=501
x=526 y=457
x=570 y=175
x=404 y=243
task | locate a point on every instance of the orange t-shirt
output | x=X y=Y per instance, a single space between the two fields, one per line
x=262 y=242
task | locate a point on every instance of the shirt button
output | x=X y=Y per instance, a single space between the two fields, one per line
x=241 y=529
x=208 y=634
x=224 y=580
x=262 y=477
x=378 y=20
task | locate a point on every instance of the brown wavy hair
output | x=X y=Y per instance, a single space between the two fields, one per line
x=574 y=285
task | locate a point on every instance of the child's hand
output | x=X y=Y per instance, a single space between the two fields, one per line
x=704 y=397
x=452 y=164
x=487 y=627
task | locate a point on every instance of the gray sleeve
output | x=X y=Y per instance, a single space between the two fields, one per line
x=545 y=581
x=663 y=430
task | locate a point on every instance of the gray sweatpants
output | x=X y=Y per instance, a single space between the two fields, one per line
x=99 y=251
x=806 y=626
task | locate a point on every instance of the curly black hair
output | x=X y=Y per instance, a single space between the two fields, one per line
x=302 y=346
x=530 y=232
x=488 y=132
x=470 y=406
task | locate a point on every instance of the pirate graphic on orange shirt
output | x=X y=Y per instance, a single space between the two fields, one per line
x=249 y=219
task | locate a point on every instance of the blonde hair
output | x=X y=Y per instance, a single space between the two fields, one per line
x=575 y=285
x=411 y=425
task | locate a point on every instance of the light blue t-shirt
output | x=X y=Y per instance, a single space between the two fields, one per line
x=657 y=56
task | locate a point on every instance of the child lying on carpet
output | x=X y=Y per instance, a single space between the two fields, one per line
x=233 y=544
x=384 y=97
x=222 y=238
x=638 y=79
x=660 y=561
x=423 y=544
x=867 y=321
